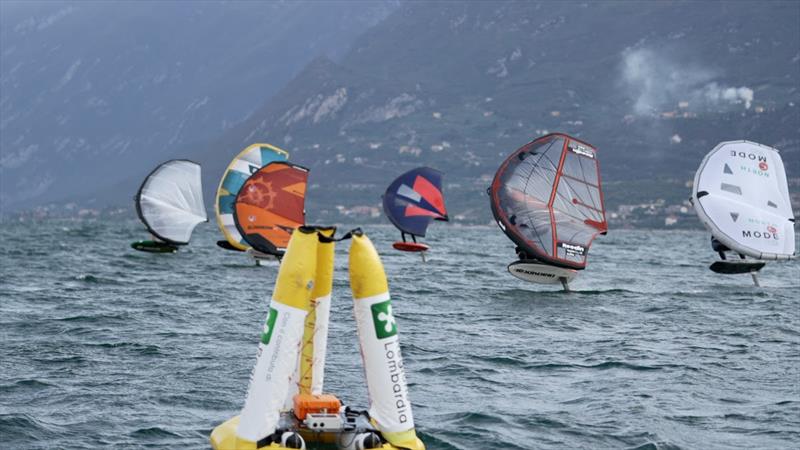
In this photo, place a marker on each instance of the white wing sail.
(170, 201)
(741, 195)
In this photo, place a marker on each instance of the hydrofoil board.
(227, 246)
(410, 246)
(261, 257)
(536, 272)
(154, 247)
(737, 267)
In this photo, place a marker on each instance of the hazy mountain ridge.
(458, 86)
(91, 86)
(515, 71)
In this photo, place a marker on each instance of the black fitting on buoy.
(292, 440)
(266, 441)
(328, 239)
(371, 441)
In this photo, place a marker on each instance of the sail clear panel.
(170, 201)
(239, 170)
(270, 205)
(547, 197)
(741, 195)
(414, 199)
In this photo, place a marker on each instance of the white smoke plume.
(715, 93)
(657, 84)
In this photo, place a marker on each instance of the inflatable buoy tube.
(315, 336)
(390, 408)
(309, 374)
(281, 339)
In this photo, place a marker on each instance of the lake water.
(103, 346)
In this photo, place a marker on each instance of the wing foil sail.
(170, 201)
(270, 205)
(414, 199)
(547, 197)
(741, 195)
(246, 163)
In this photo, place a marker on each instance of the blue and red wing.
(414, 199)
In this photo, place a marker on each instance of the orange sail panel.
(270, 205)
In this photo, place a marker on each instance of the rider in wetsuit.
(403, 235)
(523, 255)
(720, 248)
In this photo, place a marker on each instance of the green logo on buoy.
(382, 318)
(266, 335)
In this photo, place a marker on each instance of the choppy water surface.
(103, 346)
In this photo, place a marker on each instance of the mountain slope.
(458, 86)
(87, 88)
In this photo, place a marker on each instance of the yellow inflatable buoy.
(285, 406)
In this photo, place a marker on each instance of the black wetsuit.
(717, 246)
(523, 255)
(720, 248)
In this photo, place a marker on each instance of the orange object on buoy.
(314, 404)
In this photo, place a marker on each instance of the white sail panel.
(741, 195)
(170, 201)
